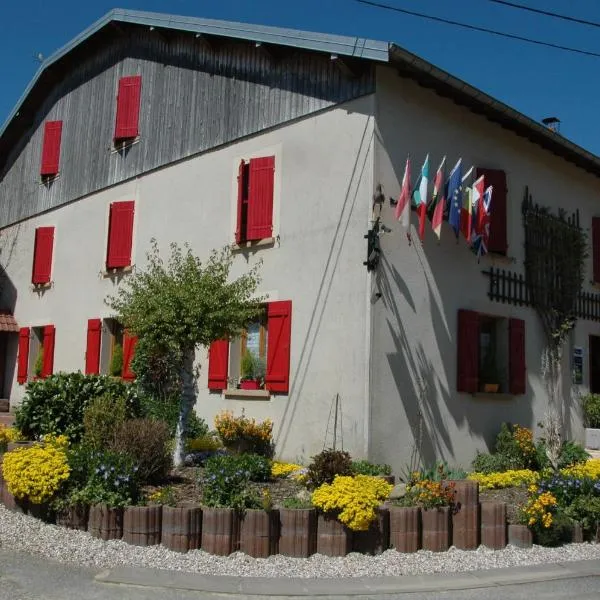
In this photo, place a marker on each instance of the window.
(596, 248)
(120, 235)
(36, 353)
(491, 354)
(255, 199)
(498, 242)
(42, 255)
(51, 149)
(109, 349)
(128, 108)
(259, 358)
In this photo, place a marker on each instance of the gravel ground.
(22, 533)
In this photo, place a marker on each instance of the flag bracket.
(373, 245)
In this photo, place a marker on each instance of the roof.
(357, 48)
(8, 323)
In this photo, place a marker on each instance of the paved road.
(24, 577)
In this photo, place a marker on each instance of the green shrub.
(585, 510)
(256, 467)
(591, 410)
(571, 454)
(364, 467)
(56, 404)
(167, 409)
(326, 465)
(116, 361)
(101, 418)
(489, 463)
(225, 485)
(204, 443)
(440, 472)
(147, 443)
(557, 534)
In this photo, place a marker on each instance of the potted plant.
(489, 374)
(252, 372)
(591, 414)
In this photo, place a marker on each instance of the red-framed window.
(51, 148)
(41, 272)
(127, 120)
(256, 184)
(272, 339)
(35, 344)
(120, 234)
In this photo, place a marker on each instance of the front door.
(595, 364)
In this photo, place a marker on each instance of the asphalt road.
(24, 577)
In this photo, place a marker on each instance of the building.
(286, 145)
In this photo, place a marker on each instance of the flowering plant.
(242, 432)
(283, 470)
(8, 434)
(590, 468)
(432, 494)
(504, 479)
(538, 510)
(566, 488)
(353, 500)
(36, 473)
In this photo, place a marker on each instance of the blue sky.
(538, 81)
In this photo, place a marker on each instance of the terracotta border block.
(465, 527)
(181, 528)
(298, 532)
(333, 538)
(220, 531)
(405, 528)
(105, 523)
(376, 539)
(436, 528)
(466, 492)
(142, 525)
(259, 533)
(493, 525)
(520, 536)
(74, 517)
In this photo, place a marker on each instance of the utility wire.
(476, 28)
(546, 13)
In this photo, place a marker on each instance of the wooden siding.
(194, 97)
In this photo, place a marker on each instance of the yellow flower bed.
(539, 508)
(590, 468)
(354, 499)
(493, 481)
(8, 434)
(36, 473)
(231, 428)
(282, 469)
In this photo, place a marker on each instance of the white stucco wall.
(416, 412)
(323, 191)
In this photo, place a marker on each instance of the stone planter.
(220, 531)
(181, 528)
(436, 528)
(577, 534)
(333, 538)
(405, 528)
(493, 525)
(376, 539)
(142, 525)
(465, 527)
(520, 536)
(16, 445)
(592, 438)
(298, 532)
(466, 492)
(105, 523)
(259, 533)
(74, 517)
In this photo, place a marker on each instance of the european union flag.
(454, 196)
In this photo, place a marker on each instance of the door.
(595, 364)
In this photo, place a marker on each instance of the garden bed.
(513, 497)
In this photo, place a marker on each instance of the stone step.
(593, 453)
(7, 419)
(4, 405)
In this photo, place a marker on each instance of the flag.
(466, 215)
(438, 200)
(419, 196)
(402, 212)
(453, 196)
(476, 200)
(480, 245)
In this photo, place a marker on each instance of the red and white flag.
(438, 200)
(402, 213)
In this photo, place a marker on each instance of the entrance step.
(4, 406)
(7, 419)
(593, 453)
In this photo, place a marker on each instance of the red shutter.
(218, 363)
(279, 334)
(596, 248)
(516, 360)
(467, 379)
(23, 362)
(260, 198)
(92, 352)
(120, 234)
(51, 148)
(240, 234)
(48, 345)
(42, 255)
(129, 342)
(128, 108)
(498, 237)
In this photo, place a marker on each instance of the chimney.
(552, 123)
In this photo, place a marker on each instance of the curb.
(355, 586)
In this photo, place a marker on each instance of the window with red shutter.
(256, 182)
(42, 255)
(129, 343)
(516, 365)
(596, 248)
(128, 108)
(49, 333)
(279, 334)
(120, 235)
(468, 352)
(498, 242)
(23, 360)
(218, 363)
(51, 148)
(92, 352)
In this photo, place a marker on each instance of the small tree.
(175, 307)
